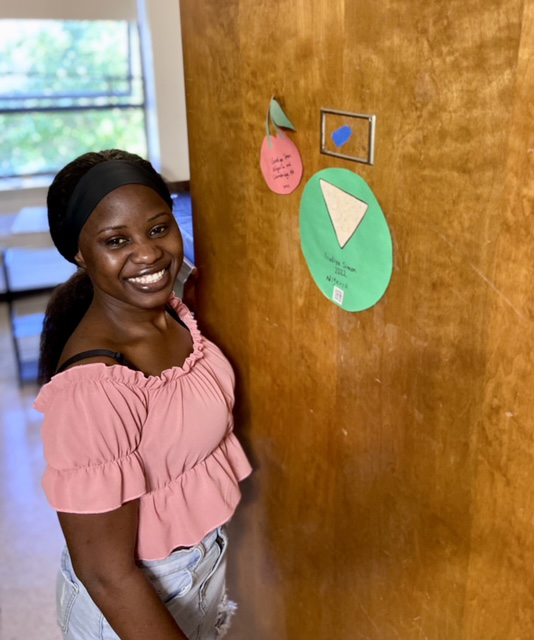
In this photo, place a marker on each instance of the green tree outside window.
(67, 87)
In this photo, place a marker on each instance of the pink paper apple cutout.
(281, 164)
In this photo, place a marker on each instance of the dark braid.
(66, 307)
(70, 301)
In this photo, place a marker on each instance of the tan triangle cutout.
(345, 210)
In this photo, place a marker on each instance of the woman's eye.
(115, 242)
(161, 228)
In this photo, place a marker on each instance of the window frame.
(87, 101)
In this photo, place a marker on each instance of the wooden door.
(393, 449)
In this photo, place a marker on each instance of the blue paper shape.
(342, 136)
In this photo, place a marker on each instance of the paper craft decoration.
(342, 135)
(280, 161)
(345, 239)
(345, 211)
(281, 164)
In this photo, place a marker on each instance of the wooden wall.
(393, 493)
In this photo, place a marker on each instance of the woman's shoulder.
(91, 341)
(92, 375)
(90, 384)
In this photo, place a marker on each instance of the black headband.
(92, 188)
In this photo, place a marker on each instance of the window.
(67, 87)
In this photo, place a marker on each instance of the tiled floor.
(30, 538)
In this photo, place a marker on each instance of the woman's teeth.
(149, 279)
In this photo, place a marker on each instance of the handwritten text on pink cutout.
(281, 164)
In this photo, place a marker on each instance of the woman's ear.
(79, 260)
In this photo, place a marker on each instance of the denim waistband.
(180, 559)
(183, 558)
(185, 578)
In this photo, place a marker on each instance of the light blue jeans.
(191, 582)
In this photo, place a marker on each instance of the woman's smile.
(148, 279)
(132, 248)
(151, 282)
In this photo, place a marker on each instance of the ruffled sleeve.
(91, 433)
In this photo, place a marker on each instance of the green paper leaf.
(268, 130)
(279, 117)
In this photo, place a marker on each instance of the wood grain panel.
(381, 458)
(501, 584)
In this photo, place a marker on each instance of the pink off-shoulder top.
(112, 434)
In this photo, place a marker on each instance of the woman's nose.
(146, 251)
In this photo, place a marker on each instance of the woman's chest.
(162, 351)
(183, 427)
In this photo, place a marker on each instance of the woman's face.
(131, 247)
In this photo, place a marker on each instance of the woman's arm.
(102, 549)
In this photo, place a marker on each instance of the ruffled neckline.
(122, 373)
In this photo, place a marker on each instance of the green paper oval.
(345, 239)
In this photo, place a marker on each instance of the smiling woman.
(131, 248)
(142, 463)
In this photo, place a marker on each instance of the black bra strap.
(95, 353)
(107, 353)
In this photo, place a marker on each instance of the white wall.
(69, 9)
(163, 33)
